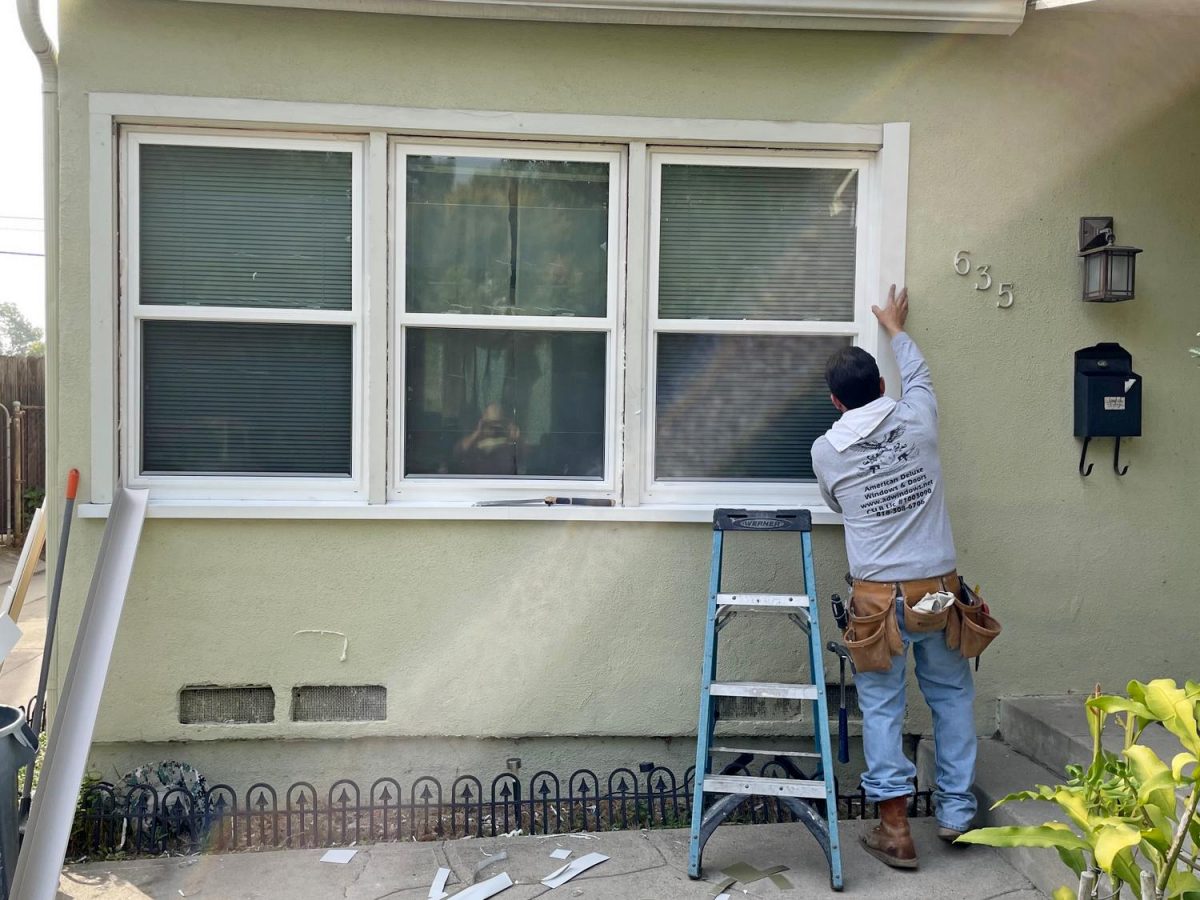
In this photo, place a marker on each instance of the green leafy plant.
(33, 499)
(1132, 816)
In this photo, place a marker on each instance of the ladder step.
(763, 689)
(767, 602)
(761, 752)
(764, 787)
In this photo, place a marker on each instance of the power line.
(19, 253)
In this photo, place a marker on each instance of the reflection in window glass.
(741, 407)
(504, 403)
(522, 237)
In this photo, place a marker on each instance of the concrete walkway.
(647, 865)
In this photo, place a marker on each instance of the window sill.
(199, 509)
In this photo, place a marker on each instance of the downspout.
(29, 13)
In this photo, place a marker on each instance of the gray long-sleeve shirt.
(888, 485)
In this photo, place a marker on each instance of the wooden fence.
(23, 464)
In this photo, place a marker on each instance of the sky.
(21, 263)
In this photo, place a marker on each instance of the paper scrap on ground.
(721, 897)
(10, 633)
(485, 889)
(746, 873)
(780, 882)
(560, 853)
(339, 855)
(437, 890)
(725, 885)
(570, 870)
(934, 603)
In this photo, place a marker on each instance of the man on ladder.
(878, 465)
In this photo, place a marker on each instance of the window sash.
(860, 330)
(257, 486)
(433, 488)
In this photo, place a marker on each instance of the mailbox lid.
(1103, 359)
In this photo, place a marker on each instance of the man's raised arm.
(915, 378)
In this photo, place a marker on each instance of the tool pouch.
(873, 637)
(917, 622)
(971, 626)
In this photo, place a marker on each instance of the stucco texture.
(594, 630)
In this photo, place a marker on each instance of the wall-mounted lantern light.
(1108, 270)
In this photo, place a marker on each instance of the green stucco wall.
(594, 630)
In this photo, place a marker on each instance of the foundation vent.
(226, 705)
(339, 703)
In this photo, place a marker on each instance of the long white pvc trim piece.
(959, 16)
(70, 738)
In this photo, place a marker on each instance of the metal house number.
(962, 266)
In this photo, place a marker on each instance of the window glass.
(741, 407)
(239, 226)
(237, 398)
(504, 403)
(756, 242)
(522, 237)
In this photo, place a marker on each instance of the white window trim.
(466, 488)
(133, 313)
(890, 143)
(863, 328)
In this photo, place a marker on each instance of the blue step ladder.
(811, 798)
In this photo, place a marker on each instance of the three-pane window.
(507, 294)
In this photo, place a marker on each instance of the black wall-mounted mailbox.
(1108, 398)
(1108, 393)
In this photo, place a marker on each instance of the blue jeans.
(945, 680)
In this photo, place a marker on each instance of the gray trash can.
(18, 747)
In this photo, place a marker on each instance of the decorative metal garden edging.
(215, 819)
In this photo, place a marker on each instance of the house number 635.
(962, 266)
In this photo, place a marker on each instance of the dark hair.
(853, 377)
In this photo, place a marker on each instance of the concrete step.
(1053, 731)
(1000, 771)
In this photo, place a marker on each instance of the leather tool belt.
(873, 635)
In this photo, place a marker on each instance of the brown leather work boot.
(891, 840)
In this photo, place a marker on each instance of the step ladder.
(811, 798)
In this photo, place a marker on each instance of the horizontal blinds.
(741, 407)
(238, 226)
(246, 399)
(751, 242)
(504, 403)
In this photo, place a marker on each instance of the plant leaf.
(1159, 837)
(1051, 834)
(1073, 860)
(1182, 881)
(1125, 869)
(1171, 706)
(1181, 761)
(1040, 792)
(1073, 804)
(1112, 704)
(1158, 791)
(1111, 840)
